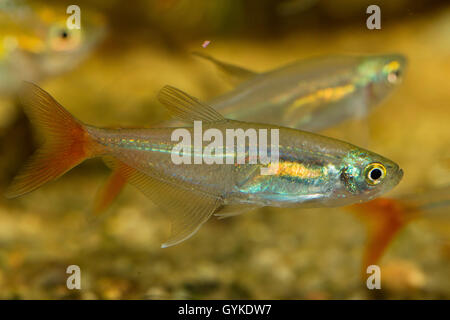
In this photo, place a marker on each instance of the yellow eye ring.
(374, 173)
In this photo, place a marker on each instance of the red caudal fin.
(383, 219)
(67, 143)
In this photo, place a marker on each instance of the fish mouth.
(395, 173)
(398, 175)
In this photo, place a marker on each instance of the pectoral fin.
(188, 209)
(233, 74)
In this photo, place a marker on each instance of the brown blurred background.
(266, 254)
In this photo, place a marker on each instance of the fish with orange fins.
(311, 170)
(384, 218)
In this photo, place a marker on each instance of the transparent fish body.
(310, 172)
(312, 94)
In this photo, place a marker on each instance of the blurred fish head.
(379, 75)
(63, 47)
(36, 43)
(364, 175)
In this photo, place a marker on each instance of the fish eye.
(64, 34)
(394, 76)
(374, 173)
(393, 71)
(63, 39)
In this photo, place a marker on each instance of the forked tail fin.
(67, 143)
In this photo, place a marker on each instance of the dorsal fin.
(187, 208)
(185, 107)
(234, 74)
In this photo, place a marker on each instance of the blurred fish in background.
(313, 94)
(385, 221)
(36, 44)
(385, 217)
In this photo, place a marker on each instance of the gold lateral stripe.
(295, 169)
(327, 94)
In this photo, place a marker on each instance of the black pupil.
(375, 174)
(64, 34)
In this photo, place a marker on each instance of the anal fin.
(187, 208)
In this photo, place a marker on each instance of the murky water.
(265, 254)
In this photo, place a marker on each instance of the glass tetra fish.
(311, 94)
(312, 170)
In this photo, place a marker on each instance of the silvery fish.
(312, 170)
(311, 94)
